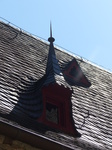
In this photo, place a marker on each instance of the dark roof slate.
(53, 70)
(23, 60)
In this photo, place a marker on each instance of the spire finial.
(51, 39)
(50, 29)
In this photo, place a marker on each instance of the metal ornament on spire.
(50, 29)
(51, 39)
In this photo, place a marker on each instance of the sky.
(82, 27)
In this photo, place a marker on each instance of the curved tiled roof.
(23, 60)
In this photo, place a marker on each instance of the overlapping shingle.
(23, 60)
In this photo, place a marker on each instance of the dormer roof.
(53, 70)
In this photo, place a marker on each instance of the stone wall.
(7, 143)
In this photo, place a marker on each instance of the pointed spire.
(50, 29)
(51, 39)
(52, 67)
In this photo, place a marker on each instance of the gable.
(74, 75)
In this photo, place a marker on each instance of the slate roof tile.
(23, 60)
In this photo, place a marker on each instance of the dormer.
(74, 75)
(56, 93)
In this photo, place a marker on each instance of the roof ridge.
(56, 46)
(81, 58)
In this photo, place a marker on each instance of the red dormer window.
(74, 75)
(57, 108)
(57, 111)
(52, 113)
